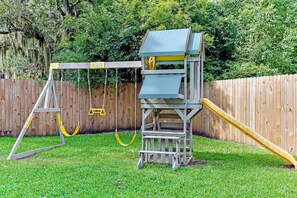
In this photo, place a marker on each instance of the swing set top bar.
(96, 65)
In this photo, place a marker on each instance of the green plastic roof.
(160, 86)
(171, 43)
(195, 43)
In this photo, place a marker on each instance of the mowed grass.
(96, 166)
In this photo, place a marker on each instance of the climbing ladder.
(164, 140)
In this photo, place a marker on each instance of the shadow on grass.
(244, 159)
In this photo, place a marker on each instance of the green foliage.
(261, 34)
(97, 166)
(18, 67)
(266, 34)
(245, 70)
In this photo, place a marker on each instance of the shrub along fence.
(265, 104)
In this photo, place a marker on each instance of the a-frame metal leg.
(48, 86)
(57, 106)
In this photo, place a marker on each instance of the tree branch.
(58, 7)
(4, 32)
(77, 2)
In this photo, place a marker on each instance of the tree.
(32, 29)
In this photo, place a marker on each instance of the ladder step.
(158, 152)
(173, 125)
(163, 133)
(161, 137)
(181, 149)
(169, 116)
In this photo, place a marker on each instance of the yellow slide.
(249, 132)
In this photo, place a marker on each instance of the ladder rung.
(54, 110)
(169, 116)
(161, 137)
(163, 71)
(159, 152)
(173, 125)
(164, 133)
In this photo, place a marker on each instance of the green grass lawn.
(96, 166)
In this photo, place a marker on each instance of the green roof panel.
(195, 43)
(160, 86)
(165, 43)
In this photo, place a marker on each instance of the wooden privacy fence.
(265, 104)
(17, 98)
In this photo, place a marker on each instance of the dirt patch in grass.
(197, 163)
(289, 166)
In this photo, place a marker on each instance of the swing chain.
(116, 112)
(78, 95)
(90, 94)
(61, 89)
(104, 94)
(135, 99)
(116, 101)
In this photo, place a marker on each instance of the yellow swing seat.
(63, 129)
(122, 143)
(100, 111)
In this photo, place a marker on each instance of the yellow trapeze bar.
(122, 143)
(100, 111)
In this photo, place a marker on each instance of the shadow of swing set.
(171, 95)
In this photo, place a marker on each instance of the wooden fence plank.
(284, 106)
(252, 106)
(291, 114)
(277, 110)
(229, 109)
(2, 106)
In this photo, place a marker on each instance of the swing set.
(49, 94)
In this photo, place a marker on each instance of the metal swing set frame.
(49, 93)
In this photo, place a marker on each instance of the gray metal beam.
(193, 113)
(171, 106)
(180, 113)
(29, 153)
(47, 110)
(192, 59)
(192, 80)
(163, 71)
(97, 65)
(147, 113)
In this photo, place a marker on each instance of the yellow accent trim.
(54, 66)
(122, 143)
(278, 151)
(97, 65)
(63, 129)
(29, 120)
(152, 63)
(77, 128)
(99, 111)
(170, 58)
